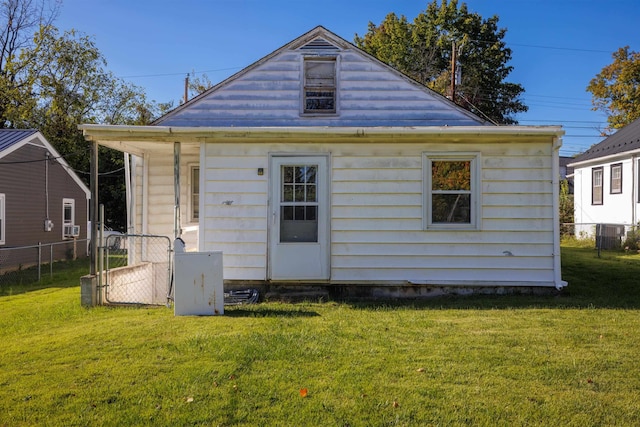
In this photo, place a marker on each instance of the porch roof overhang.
(140, 139)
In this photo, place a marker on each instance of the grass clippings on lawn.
(499, 361)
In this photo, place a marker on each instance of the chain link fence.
(137, 269)
(29, 264)
(603, 236)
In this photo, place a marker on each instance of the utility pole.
(454, 59)
(186, 88)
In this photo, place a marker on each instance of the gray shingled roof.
(625, 139)
(8, 137)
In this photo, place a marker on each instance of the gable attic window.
(319, 94)
(596, 186)
(616, 179)
(451, 193)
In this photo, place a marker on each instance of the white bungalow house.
(320, 164)
(606, 181)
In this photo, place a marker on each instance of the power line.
(179, 74)
(18, 162)
(561, 48)
(576, 49)
(564, 121)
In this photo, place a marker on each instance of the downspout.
(177, 230)
(555, 172)
(633, 190)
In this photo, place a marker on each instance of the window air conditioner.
(71, 230)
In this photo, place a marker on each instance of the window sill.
(452, 227)
(331, 114)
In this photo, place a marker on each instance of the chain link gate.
(137, 269)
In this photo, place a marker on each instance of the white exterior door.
(299, 209)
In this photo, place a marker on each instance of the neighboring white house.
(321, 164)
(606, 180)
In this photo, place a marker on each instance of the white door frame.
(299, 261)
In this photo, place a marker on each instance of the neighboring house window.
(319, 86)
(68, 217)
(616, 178)
(596, 186)
(194, 193)
(451, 191)
(2, 219)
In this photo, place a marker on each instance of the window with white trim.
(319, 93)
(596, 186)
(616, 179)
(2, 218)
(68, 218)
(451, 195)
(194, 194)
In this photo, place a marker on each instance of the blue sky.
(558, 45)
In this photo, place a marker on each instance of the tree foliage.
(422, 49)
(19, 20)
(198, 84)
(53, 83)
(616, 89)
(566, 203)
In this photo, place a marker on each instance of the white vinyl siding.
(367, 94)
(3, 219)
(589, 187)
(376, 218)
(155, 196)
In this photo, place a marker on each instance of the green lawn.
(572, 359)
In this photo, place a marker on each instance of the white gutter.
(555, 182)
(92, 129)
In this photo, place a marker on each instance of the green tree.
(565, 208)
(423, 50)
(616, 89)
(67, 82)
(19, 20)
(54, 82)
(198, 84)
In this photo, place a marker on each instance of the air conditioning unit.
(71, 230)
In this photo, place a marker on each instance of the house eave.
(119, 133)
(604, 159)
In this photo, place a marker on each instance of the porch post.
(177, 226)
(94, 207)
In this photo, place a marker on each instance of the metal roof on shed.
(8, 137)
(625, 139)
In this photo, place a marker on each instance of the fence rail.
(605, 236)
(28, 264)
